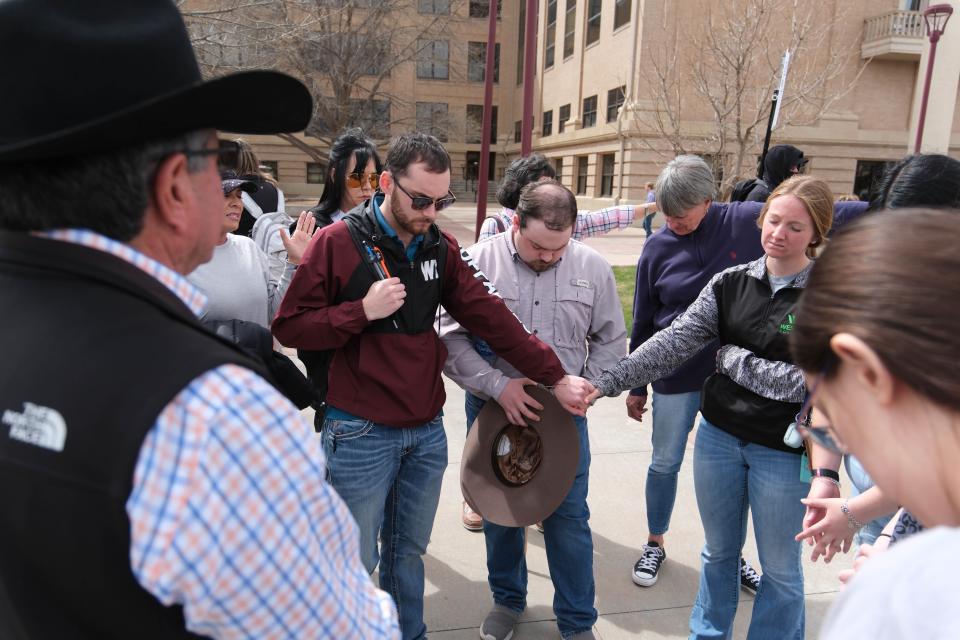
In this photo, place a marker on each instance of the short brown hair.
(889, 278)
(549, 201)
(818, 200)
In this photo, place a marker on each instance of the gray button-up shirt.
(572, 306)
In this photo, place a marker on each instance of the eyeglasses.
(356, 179)
(419, 203)
(227, 152)
(823, 435)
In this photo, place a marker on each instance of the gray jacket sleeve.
(771, 379)
(668, 348)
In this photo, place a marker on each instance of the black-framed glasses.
(823, 435)
(227, 152)
(356, 179)
(419, 203)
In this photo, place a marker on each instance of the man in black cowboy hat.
(154, 484)
(565, 293)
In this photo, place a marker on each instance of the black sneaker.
(647, 569)
(749, 579)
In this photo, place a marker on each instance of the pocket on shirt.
(341, 430)
(571, 320)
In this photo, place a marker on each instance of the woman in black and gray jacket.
(740, 458)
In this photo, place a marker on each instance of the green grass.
(626, 280)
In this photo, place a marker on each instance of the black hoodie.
(776, 168)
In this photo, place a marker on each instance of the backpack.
(742, 189)
(266, 235)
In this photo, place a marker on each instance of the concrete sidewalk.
(457, 596)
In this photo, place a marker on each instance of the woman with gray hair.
(701, 238)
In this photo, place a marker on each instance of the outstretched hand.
(573, 393)
(296, 245)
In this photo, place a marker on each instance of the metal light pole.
(487, 128)
(936, 18)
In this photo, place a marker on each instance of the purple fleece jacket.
(673, 269)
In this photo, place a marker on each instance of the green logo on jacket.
(787, 325)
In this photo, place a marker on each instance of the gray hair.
(684, 183)
(106, 192)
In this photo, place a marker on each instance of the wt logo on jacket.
(429, 269)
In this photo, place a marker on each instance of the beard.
(411, 221)
(539, 265)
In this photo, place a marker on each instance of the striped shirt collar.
(190, 295)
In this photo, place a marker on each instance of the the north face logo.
(39, 426)
(787, 325)
(429, 270)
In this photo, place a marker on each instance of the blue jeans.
(648, 223)
(730, 476)
(569, 546)
(390, 479)
(861, 481)
(673, 418)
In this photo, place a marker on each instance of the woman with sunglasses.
(740, 459)
(832, 523)
(353, 171)
(876, 336)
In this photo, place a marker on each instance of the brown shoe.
(472, 521)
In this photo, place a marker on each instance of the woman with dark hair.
(267, 197)
(876, 336)
(522, 172)
(353, 174)
(832, 523)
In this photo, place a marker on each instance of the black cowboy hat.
(516, 476)
(83, 77)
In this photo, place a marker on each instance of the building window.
(481, 8)
(547, 123)
(550, 47)
(562, 118)
(475, 124)
(517, 131)
(477, 62)
(439, 7)
(314, 173)
(432, 119)
(589, 111)
(582, 163)
(621, 13)
(372, 115)
(607, 162)
(472, 170)
(569, 28)
(271, 167)
(593, 20)
(868, 176)
(433, 59)
(558, 167)
(614, 102)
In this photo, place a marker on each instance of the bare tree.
(347, 52)
(710, 92)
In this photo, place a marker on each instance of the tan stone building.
(603, 81)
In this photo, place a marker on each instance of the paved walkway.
(457, 596)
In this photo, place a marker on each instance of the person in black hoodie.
(782, 161)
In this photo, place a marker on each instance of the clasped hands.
(575, 394)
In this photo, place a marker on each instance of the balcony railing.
(897, 34)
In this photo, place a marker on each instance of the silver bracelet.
(830, 480)
(852, 522)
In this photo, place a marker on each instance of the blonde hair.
(848, 197)
(816, 198)
(248, 164)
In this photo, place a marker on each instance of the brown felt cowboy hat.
(516, 476)
(84, 77)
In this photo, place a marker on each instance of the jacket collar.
(366, 219)
(758, 270)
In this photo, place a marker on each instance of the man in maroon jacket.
(370, 289)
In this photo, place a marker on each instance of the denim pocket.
(343, 430)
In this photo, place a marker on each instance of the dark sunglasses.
(419, 203)
(227, 152)
(355, 180)
(823, 435)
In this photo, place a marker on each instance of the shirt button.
(536, 302)
(535, 331)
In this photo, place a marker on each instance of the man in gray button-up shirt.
(565, 293)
